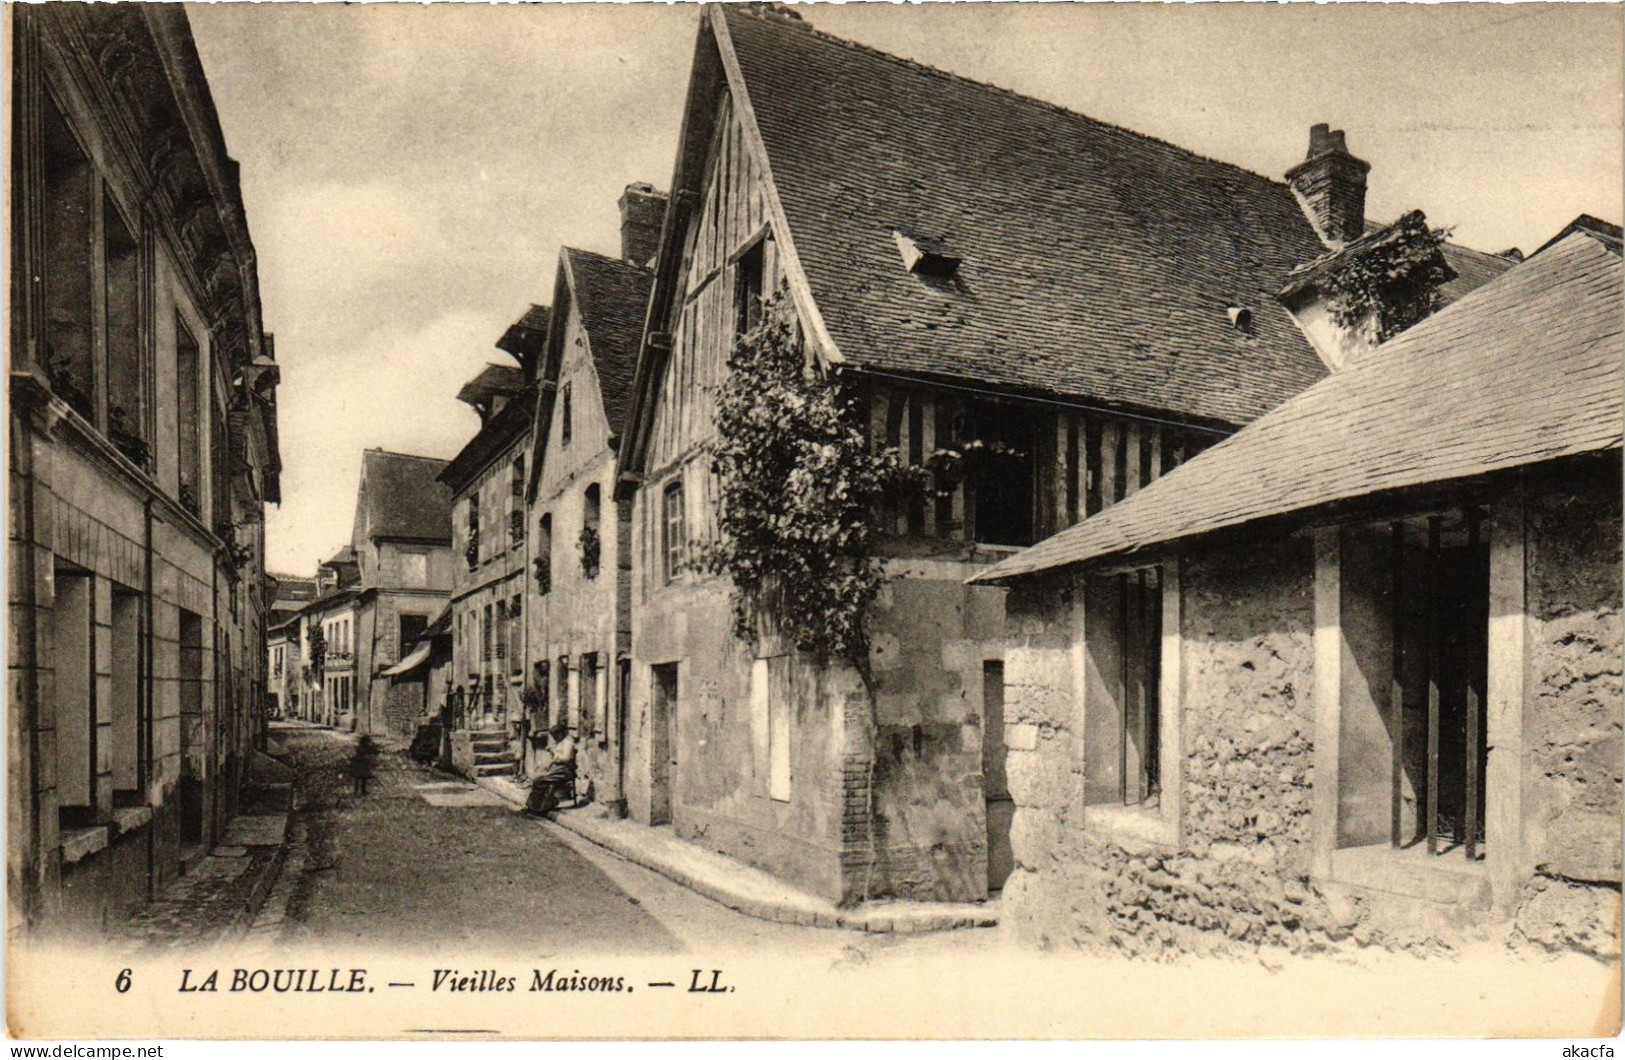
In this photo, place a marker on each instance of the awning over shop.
(417, 658)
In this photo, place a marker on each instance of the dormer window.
(926, 257)
(1241, 318)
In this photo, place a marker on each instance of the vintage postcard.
(809, 521)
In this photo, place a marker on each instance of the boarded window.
(415, 569)
(771, 699)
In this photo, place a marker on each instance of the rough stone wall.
(1240, 875)
(1573, 710)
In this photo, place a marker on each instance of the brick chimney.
(1331, 185)
(642, 211)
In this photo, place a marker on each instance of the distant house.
(1358, 666)
(579, 625)
(402, 544)
(486, 485)
(1092, 306)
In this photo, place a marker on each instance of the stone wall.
(1573, 710)
(1240, 873)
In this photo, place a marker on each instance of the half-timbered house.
(1092, 305)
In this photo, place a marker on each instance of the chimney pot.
(643, 209)
(1330, 183)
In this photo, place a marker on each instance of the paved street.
(428, 857)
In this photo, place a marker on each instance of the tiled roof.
(527, 333)
(404, 498)
(1523, 370)
(493, 379)
(343, 555)
(495, 436)
(1097, 263)
(611, 297)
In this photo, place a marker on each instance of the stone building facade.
(142, 449)
(579, 625)
(404, 570)
(1380, 692)
(486, 482)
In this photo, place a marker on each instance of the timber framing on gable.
(716, 82)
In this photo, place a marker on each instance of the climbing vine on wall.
(1398, 278)
(799, 488)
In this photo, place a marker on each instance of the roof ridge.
(409, 456)
(622, 262)
(744, 11)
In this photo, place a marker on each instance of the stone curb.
(892, 921)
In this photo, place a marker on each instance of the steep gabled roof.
(611, 297)
(1097, 263)
(401, 497)
(1523, 370)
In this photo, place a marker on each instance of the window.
(544, 555)
(748, 273)
(188, 384)
(540, 680)
(126, 407)
(67, 347)
(415, 569)
(564, 415)
(516, 633)
(412, 627)
(771, 718)
(516, 485)
(1412, 748)
(591, 719)
(1122, 725)
(591, 541)
(73, 621)
(486, 634)
(564, 689)
(1003, 481)
(674, 539)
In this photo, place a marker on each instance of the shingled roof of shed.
(611, 296)
(1098, 263)
(1523, 370)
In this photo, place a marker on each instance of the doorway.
(663, 753)
(1001, 809)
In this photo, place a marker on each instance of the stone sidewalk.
(742, 887)
(216, 900)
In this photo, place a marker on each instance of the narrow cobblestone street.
(428, 858)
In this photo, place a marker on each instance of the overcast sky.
(410, 172)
